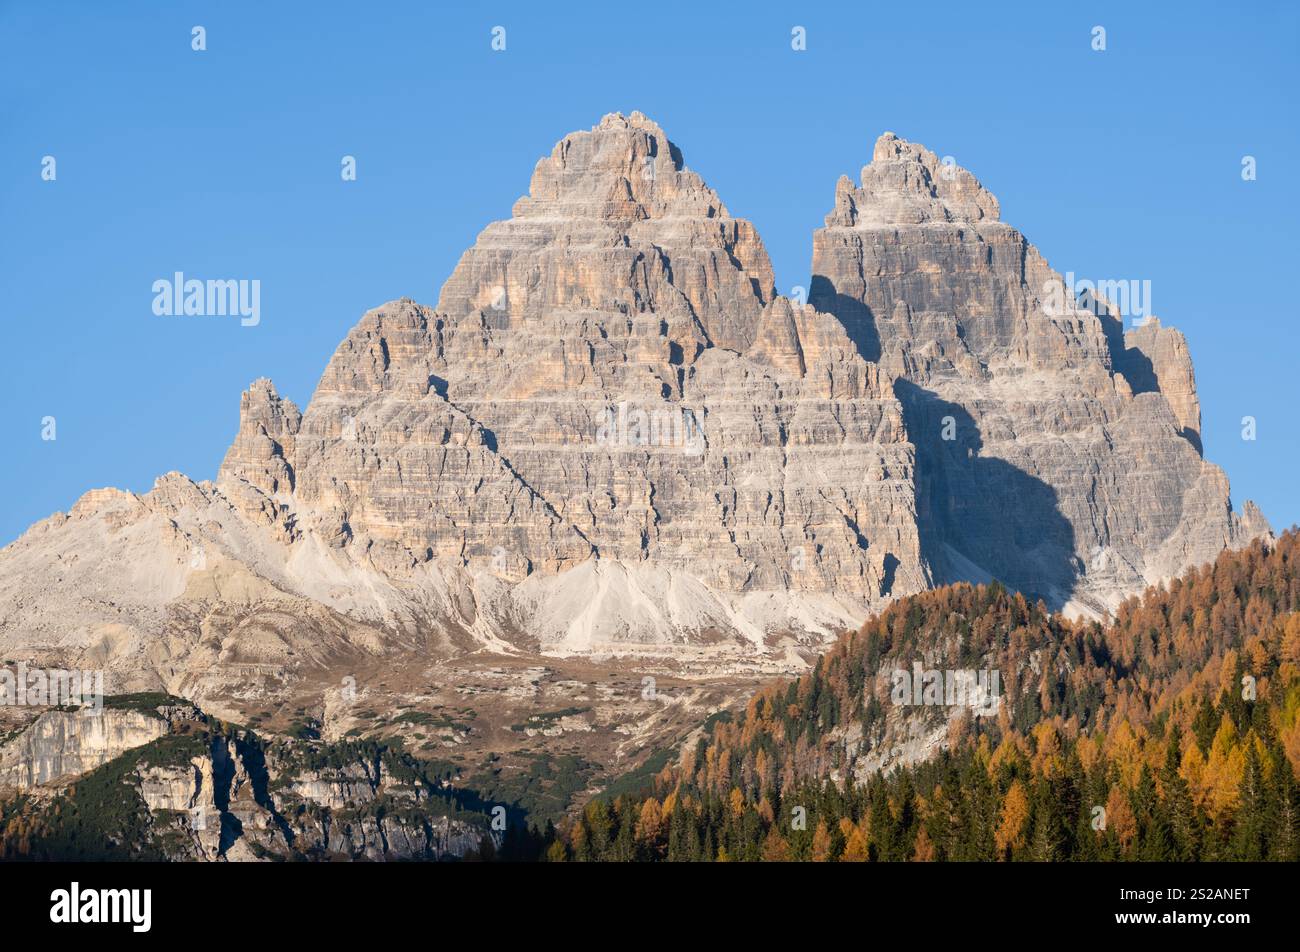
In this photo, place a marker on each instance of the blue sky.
(225, 163)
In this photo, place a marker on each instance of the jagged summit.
(622, 168)
(906, 183)
(612, 437)
(1054, 451)
(614, 221)
(259, 455)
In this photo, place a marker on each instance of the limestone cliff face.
(1055, 452)
(215, 795)
(609, 395)
(263, 452)
(611, 437)
(1156, 358)
(61, 744)
(240, 803)
(615, 224)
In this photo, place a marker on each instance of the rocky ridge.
(612, 438)
(173, 783)
(1056, 452)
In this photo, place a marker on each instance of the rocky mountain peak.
(611, 437)
(1004, 391)
(615, 224)
(263, 451)
(908, 184)
(624, 169)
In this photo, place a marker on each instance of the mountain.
(611, 439)
(1171, 733)
(1055, 452)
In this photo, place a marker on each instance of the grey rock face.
(238, 799)
(611, 437)
(609, 379)
(1156, 358)
(62, 744)
(1054, 452)
(263, 452)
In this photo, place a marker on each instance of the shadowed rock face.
(608, 377)
(1054, 451)
(1155, 358)
(611, 436)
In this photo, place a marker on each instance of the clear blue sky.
(225, 163)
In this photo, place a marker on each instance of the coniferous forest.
(1170, 733)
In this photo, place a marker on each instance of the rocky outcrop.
(1054, 452)
(263, 452)
(215, 794)
(1156, 358)
(63, 744)
(610, 387)
(611, 437)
